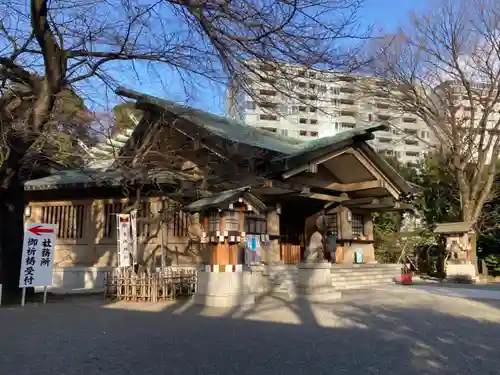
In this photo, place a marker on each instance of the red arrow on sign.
(38, 230)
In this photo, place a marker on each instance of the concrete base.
(226, 289)
(315, 282)
(465, 272)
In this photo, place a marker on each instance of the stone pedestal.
(315, 282)
(227, 289)
(461, 272)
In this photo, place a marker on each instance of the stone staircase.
(283, 278)
(361, 276)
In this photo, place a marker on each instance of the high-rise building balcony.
(346, 119)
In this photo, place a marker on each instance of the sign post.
(38, 257)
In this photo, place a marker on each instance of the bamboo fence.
(124, 284)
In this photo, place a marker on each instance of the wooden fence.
(124, 284)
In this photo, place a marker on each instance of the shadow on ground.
(370, 332)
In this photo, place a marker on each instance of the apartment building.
(475, 115)
(308, 104)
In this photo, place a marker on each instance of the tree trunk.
(11, 237)
(11, 218)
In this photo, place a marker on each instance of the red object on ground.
(406, 278)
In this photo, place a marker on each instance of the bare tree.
(446, 70)
(48, 46)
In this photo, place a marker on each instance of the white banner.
(124, 243)
(133, 227)
(38, 255)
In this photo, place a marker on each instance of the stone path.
(389, 332)
(479, 292)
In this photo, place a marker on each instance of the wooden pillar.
(271, 253)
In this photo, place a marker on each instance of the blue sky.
(385, 15)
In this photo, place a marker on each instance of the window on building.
(409, 120)
(303, 121)
(267, 92)
(412, 153)
(268, 105)
(314, 134)
(214, 222)
(348, 113)
(335, 90)
(358, 225)
(313, 122)
(312, 86)
(303, 109)
(255, 224)
(268, 117)
(284, 132)
(384, 117)
(346, 125)
(303, 132)
(347, 90)
(312, 109)
(347, 101)
(370, 117)
(384, 140)
(179, 221)
(302, 84)
(302, 97)
(250, 105)
(411, 131)
(69, 220)
(268, 80)
(110, 211)
(411, 142)
(231, 221)
(313, 97)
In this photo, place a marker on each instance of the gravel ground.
(366, 332)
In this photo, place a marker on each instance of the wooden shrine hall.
(225, 186)
(286, 183)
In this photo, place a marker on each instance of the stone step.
(360, 285)
(363, 282)
(362, 277)
(362, 270)
(366, 265)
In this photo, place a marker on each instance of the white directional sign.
(38, 255)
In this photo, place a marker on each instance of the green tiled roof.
(222, 200)
(224, 127)
(284, 148)
(238, 131)
(93, 178)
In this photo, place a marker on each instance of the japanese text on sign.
(38, 255)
